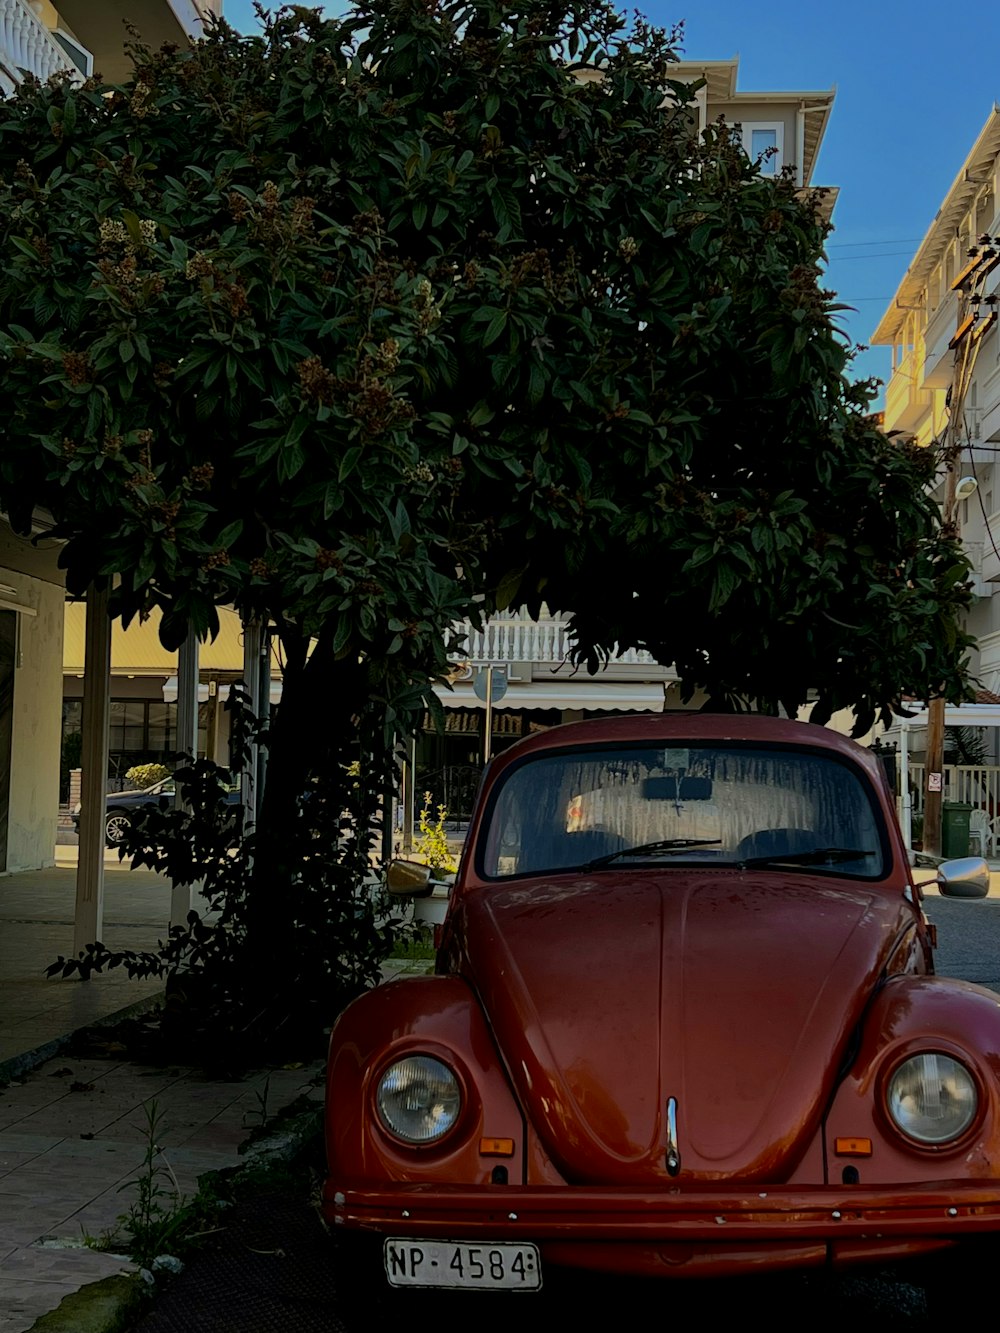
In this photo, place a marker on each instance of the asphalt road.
(968, 938)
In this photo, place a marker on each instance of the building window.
(141, 731)
(759, 138)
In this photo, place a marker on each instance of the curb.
(113, 1304)
(108, 1306)
(283, 1145)
(17, 1065)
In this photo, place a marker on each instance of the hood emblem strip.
(673, 1152)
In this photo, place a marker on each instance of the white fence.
(970, 784)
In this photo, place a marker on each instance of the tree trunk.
(307, 741)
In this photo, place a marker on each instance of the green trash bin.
(955, 829)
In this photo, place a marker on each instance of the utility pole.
(969, 330)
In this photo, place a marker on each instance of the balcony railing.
(905, 403)
(938, 357)
(26, 44)
(990, 563)
(518, 638)
(988, 670)
(989, 429)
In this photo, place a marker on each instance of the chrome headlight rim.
(449, 1062)
(932, 1147)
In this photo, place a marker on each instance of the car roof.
(740, 728)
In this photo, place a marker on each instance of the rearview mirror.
(668, 789)
(967, 877)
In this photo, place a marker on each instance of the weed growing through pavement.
(262, 1096)
(161, 1220)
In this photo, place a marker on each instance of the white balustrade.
(26, 44)
(518, 638)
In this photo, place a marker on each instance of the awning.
(170, 691)
(589, 693)
(955, 715)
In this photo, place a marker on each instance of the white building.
(924, 326)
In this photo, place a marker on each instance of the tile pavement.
(73, 1131)
(36, 926)
(72, 1137)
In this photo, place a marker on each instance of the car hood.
(735, 994)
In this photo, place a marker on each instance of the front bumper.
(946, 1211)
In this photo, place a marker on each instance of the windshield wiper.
(818, 856)
(664, 845)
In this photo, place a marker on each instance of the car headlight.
(932, 1098)
(419, 1099)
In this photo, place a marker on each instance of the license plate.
(446, 1263)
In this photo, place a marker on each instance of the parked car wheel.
(116, 827)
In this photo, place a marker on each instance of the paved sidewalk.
(36, 926)
(72, 1136)
(73, 1130)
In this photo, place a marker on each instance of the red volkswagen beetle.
(684, 1022)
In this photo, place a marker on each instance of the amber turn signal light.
(496, 1147)
(852, 1147)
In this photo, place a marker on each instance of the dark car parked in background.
(122, 805)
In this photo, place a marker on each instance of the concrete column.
(263, 711)
(186, 743)
(89, 918)
(212, 738)
(407, 793)
(252, 638)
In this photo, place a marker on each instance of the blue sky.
(911, 99)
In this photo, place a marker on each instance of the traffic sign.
(479, 683)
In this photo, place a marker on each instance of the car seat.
(778, 842)
(587, 845)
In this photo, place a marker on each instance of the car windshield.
(728, 804)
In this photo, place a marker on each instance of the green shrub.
(144, 775)
(432, 844)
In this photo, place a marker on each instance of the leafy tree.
(965, 745)
(370, 324)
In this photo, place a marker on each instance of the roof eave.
(962, 189)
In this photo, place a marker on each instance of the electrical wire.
(971, 348)
(895, 240)
(889, 254)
